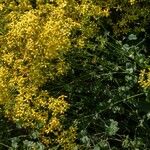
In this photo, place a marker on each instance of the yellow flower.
(132, 2)
(1, 6)
(144, 78)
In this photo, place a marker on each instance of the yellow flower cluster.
(92, 10)
(132, 2)
(33, 40)
(58, 106)
(67, 138)
(31, 54)
(144, 79)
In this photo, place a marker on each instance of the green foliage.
(104, 87)
(112, 128)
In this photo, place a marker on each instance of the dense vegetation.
(74, 74)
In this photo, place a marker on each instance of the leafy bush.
(67, 82)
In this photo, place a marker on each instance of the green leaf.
(96, 147)
(132, 37)
(112, 128)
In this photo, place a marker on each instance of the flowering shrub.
(66, 82)
(31, 55)
(29, 47)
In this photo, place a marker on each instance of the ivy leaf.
(132, 37)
